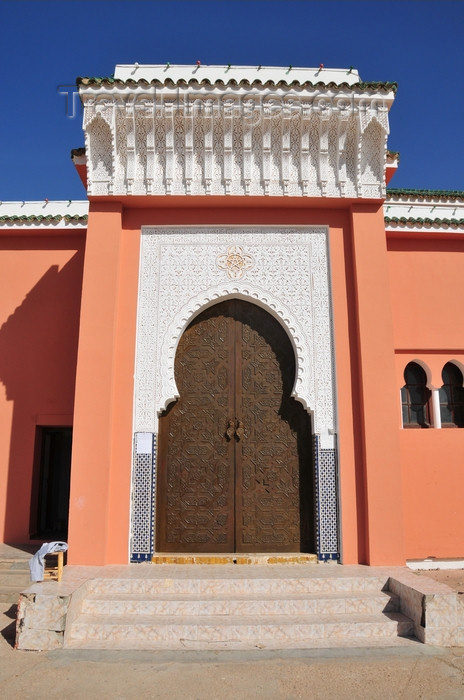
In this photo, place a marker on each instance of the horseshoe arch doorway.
(235, 469)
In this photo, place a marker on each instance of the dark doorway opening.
(50, 506)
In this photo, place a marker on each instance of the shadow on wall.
(38, 354)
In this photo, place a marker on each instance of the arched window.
(452, 397)
(415, 397)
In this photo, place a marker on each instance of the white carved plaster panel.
(184, 270)
(235, 141)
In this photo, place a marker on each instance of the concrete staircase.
(273, 608)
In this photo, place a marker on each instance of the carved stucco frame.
(166, 306)
(159, 328)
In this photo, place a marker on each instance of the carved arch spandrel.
(303, 389)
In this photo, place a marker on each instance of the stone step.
(230, 586)
(10, 578)
(10, 595)
(239, 632)
(236, 559)
(14, 577)
(299, 604)
(328, 643)
(14, 565)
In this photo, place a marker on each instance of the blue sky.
(47, 44)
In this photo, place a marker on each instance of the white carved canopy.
(236, 138)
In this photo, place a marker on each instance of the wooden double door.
(234, 468)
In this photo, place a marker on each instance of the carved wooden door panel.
(273, 458)
(195, 491)
(234, 471)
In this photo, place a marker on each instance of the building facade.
(241, 341)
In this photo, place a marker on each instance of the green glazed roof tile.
(418, 220)
(361, 86)
(40, 218)
(425, 194)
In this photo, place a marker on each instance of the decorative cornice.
(235, 138)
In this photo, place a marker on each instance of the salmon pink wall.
(426, 281)
(433, 485)
(41, 277)
(102, 445)
(377, 437)
(426, 290)
(392, 304)
(100, 488)
(370, 511)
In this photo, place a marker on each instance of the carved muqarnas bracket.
(202, 140)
